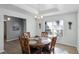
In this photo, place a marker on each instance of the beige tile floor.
(13, 47)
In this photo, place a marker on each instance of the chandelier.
(39, 16)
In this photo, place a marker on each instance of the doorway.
(13, 28)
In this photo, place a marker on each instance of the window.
(54, 28)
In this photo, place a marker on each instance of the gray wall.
(12, 32)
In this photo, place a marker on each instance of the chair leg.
(41, 51)
(53, 50)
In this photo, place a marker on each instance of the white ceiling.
(41, 9)
(42, 6)
(49, 9)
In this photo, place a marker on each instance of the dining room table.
(39, 42)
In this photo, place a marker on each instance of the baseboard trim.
(67, 44)
(1, 51)
(78, 50)
(12, 39)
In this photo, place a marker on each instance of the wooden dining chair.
(44, 34)
(27, 34)
(26, 48)
(52, 44)
(50, 47)
(24, 42)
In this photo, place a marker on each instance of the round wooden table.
(39, 42)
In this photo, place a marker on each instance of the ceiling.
(41, 9)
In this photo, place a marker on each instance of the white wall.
(78, 31)
(29, 25)
(1, 33)
(70, 36)
(38, 29)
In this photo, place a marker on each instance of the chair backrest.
(24, 42)
(27, 34)
(44, 34)
(53, 42)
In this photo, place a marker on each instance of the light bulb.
(41, 16)
(35, 16)
(8, 19)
